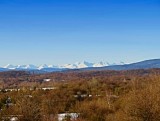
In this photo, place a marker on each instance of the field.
(92, 95)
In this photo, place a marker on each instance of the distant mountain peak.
(42, 66)
(9, 66)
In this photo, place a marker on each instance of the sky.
(66, 31)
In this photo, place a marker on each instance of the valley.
(75, 95)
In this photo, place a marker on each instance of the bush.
(95, 110)
(144, 104)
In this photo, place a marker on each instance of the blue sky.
(66, 31)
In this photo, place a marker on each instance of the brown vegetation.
(94, 95)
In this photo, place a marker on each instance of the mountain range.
(147, 64)
(77, 65)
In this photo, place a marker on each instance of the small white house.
(48, 88)
(11, 90)
(46, 80)
(63, 116)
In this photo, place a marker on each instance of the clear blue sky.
(66, 31)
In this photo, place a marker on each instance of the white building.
(46, 80)
(63, 116)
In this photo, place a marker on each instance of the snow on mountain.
(24, 67)
(70, 66)
(77, 65)
(30, 66)
(83, 64)
(100, 64)
(154, 63)
(52, 66)
(19, 66)
(9, 66)
(42, 66)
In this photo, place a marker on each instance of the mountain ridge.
(146, 64)
(77, 65)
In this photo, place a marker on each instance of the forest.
(132, 95)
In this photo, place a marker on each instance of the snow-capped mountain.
(147, 64)
(101, 64)
(52, 66)
(77, 65)
(30, 66)
(70, 66)
(42, 66)
(9, 66)
(84, 64)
